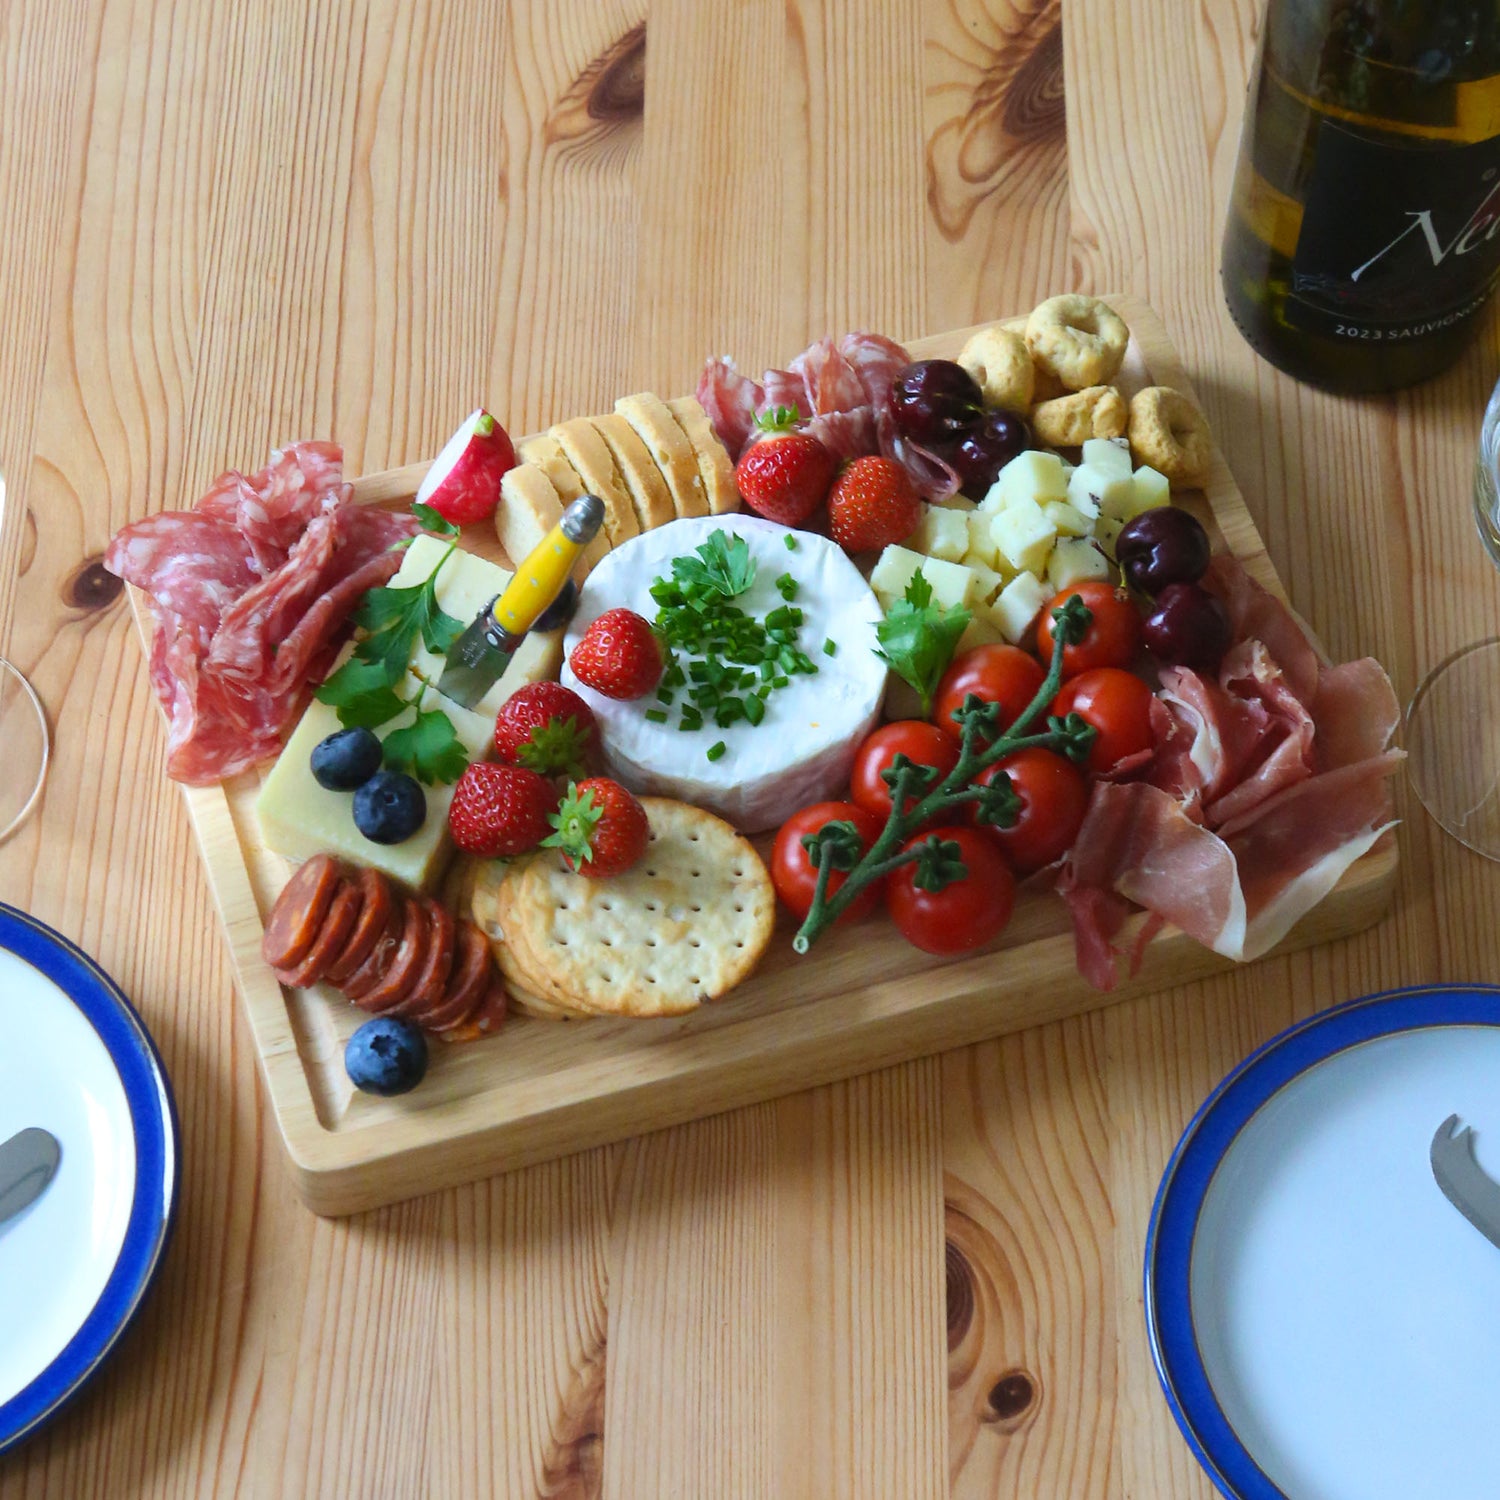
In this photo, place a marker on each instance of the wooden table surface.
(228, 225)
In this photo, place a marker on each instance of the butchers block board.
(862, 999)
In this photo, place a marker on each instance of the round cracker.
(492, 906)
(685, 925)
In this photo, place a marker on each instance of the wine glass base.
(25, 748)
(1453, 745)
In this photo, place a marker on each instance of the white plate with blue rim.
(1324, 1316)
(77, 1263)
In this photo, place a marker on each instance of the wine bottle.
(1363, 236)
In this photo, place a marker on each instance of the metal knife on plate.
(478, 658)
(28, 1163)
(1465, 1184)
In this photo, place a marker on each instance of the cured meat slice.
(1356, 713)
(731, 400)
(298, 914)
(359, 984)
(376, 901)
(846, 434)
(391, 991)
(832, 383)
(1255, 614)
(785, 388)
(876, 362)
(486, 1018)
(473, 968)
(432, 978)
(343, 912)
(250, 591)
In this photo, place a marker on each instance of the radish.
(463, 483)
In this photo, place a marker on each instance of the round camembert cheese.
(802, 750)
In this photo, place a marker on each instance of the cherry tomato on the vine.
(1118, 705)
(917, 740)
(1112, 639)
(999, 674)
(1053, 796)
(964, 914)
(794, 874)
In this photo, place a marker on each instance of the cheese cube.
(299, 818)
(941, 533)
(1019, 604)
(950, 581)
(1073, 560)
(1068, 519)
(956, 502)
(1094, 493)
(980, 631)
(1110, 456)
(1151, 490)
(981, 538)
(1023, 535)
(1032, 475)
(987, 583)
(465, 586)
(1106, 530)
(894, 570)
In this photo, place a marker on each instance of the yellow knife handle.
(540, 577)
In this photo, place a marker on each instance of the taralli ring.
(998, 360)
(1171, 435)
(1078, 339)
(1098, 412)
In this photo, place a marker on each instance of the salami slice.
(472, 969)
(298, 914)
(359, 984)
(488, 1017)
(432, 981)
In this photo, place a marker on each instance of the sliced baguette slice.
(529, 508)
(669, 446)
(545, 453)
(648, 490)
(590, 456)
(714, 462)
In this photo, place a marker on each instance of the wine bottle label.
(1396, 242)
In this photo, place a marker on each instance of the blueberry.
(386, 1056)
(389, 807)
(560, 611)
(346, 760)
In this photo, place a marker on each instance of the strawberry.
(548, 728)
(873, 505)
(601, 828)
(498, 811)
(618, 656)
(784, 475)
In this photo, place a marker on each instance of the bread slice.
(590, 456)
(543, 454)
(714, 462)
(648, 490)
(529, 508)
(668, 444)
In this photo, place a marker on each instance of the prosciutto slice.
(841, 392)
(251, 591)
(1267, 784)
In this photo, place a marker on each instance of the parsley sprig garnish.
(917, 638)
(363, 690)
(734, 662)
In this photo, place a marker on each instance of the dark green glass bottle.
(1363, 236)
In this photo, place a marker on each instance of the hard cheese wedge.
(299, 818)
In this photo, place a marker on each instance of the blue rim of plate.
(153, 1208)
(1184, 1185)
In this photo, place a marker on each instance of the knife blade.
(478, 658)
(1464, 1182)
(28, 1162)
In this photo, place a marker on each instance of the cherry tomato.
(917, 740)
(999, 674)
(1118, 705)
(793, 872)
(1053, 797)
(1112, 639)
(970, 911)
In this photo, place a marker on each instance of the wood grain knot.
(960, 1294)
(1011, 1395)
(573, 1460)
(1034, 106)
(608, 95)
(619, 91)
(91, 585)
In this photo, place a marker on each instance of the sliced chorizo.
(343, 913)
(391, 990)
(472, 969)
(364, 979)
(297, 917)
(432, 982)
(376, 902)
(487, 1018)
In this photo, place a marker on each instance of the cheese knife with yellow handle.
(478, 658)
